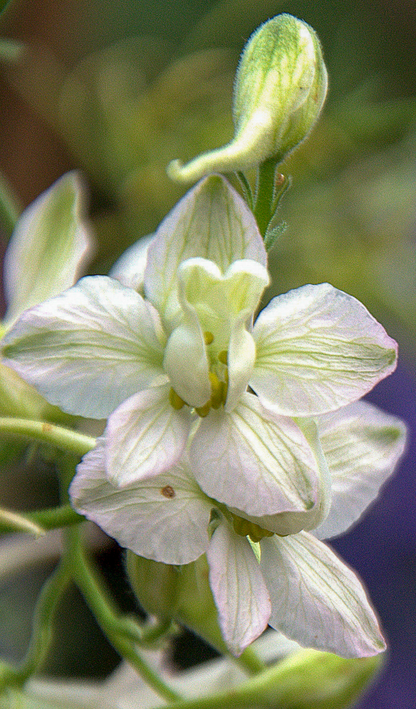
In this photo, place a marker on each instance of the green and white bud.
(279, 91)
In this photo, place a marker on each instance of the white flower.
(294, 583)
(47, 253)
(187, 358)
(49, 247)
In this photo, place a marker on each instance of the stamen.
(216, 390)
(175, 400)
(244, 528)
(208, 337)
(204, 410)
(223, 357)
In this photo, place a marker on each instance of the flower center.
(219, 386)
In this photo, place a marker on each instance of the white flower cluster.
(230, 435)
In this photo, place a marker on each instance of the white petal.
(318, 349)
(89, 348)
(49, 247)
(213, 222)
(129, 268)
(186, 360)
(316, 599)
(164, 519)
(145, 436)
(238, 588)
(362, 446)
(293, 522)
(254, 461)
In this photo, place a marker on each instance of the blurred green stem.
(38, 522)
(123, 633)
(63, 438)
(9, 207)
(42, 633)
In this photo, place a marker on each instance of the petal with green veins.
(212, 222)
(362, 446)
(318, 349)
(89, 348)
(316, 599)
(240, 593)
(49, 247)
(145, 436)
(285, 523)
(164, 519)
(255, 461)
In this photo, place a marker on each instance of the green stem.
(9, 208)
(263, 209)
(119, 630)
(250, 661)
(54, 517)
(38, 522)
(64, 438)
(42, 633)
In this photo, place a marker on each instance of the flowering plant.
(233, 438)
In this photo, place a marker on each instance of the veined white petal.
(255, 461)
(49, 248)
(145, 436)
(318, 349)
(292, 522)
(213, 222)
(129, 268)
(89, 348)
(164, 519)
(240, 593)
(316, 599)
(362, 446)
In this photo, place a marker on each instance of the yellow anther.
(244, 528)
(175, 400)
(204, 410)
(223, 356)
(216, 390)
(208, 337)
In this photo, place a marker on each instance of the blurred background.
(118, 90)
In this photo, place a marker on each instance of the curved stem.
(38, 522)
(64, 438)
(118, 629)
(42, 633)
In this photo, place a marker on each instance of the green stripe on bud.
(280, 88)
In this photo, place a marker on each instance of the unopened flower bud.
(279, 91)
(154, 584)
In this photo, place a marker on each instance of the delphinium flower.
(47, 253)
(295, 583)
(187, 355)
(210, 412)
